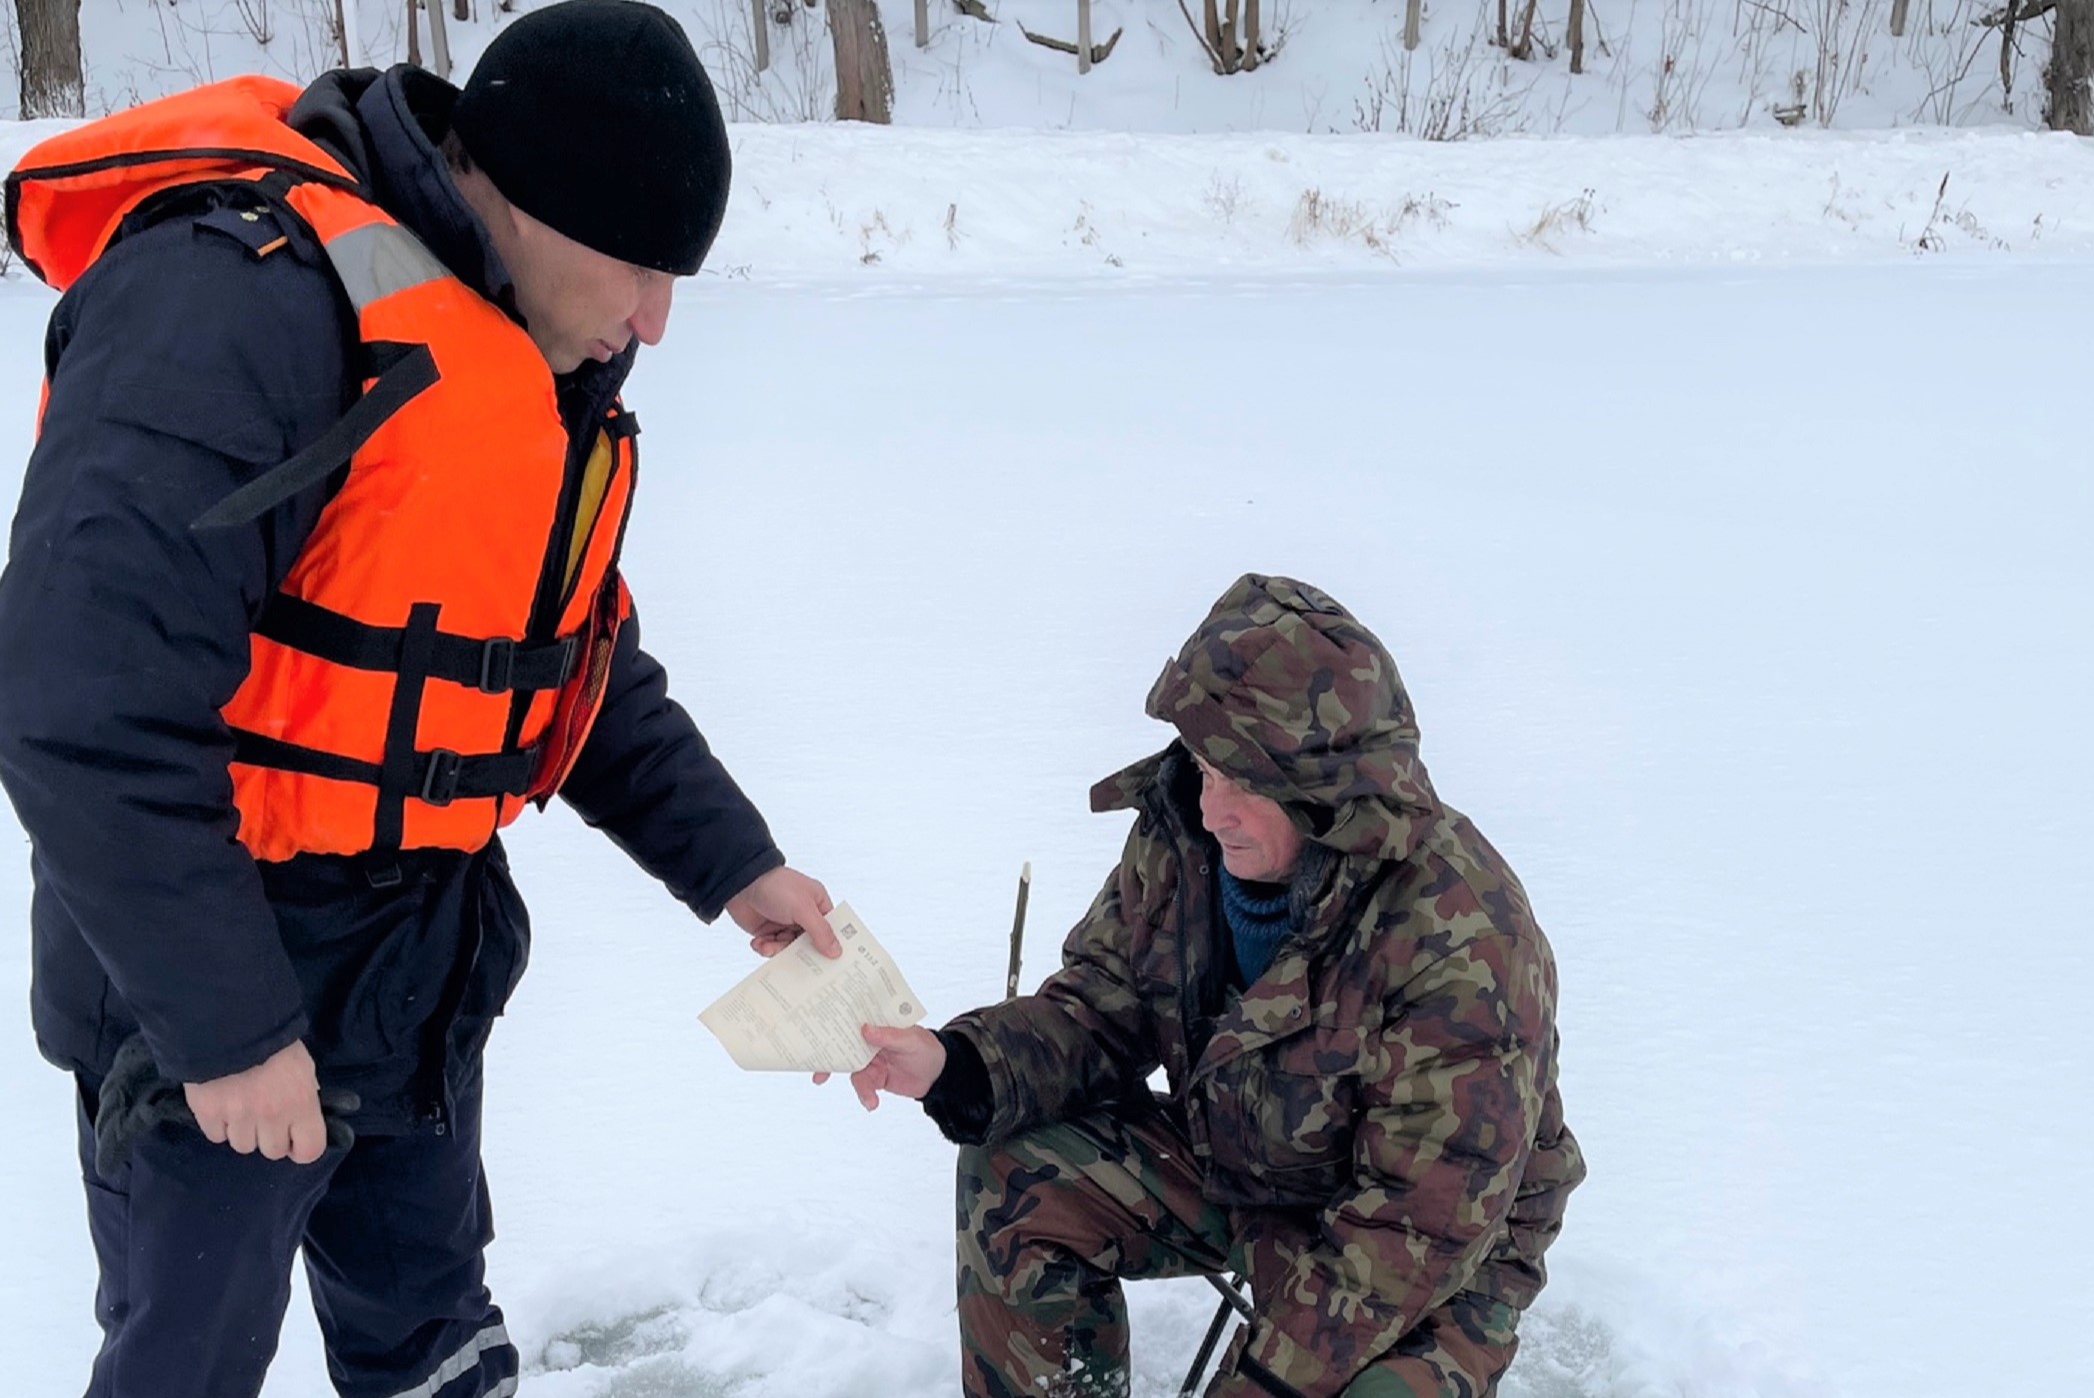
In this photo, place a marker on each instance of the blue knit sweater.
(1258, 921)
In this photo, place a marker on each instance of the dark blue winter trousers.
(196, 1243)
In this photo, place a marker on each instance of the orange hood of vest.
(67, 196)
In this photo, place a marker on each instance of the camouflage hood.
(1286, 692)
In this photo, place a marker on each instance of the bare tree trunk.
(1899, 11)
(462, 10)
(1250, 35)
(1083, 36)
(1413, 17)
(414, 34)
(1524, 48)
(760, 27)
(51, 82)
(923, 24)
(1577, 35)
(864, 77)
(2071, 71)
(1504, 34)
(352, 32)
(439, 40)
(2006, 57)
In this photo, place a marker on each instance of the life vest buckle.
(440, 780)
(497, 666)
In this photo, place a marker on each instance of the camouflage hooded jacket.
(1380, 1107)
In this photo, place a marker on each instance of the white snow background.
(1335, 65)
(1732, 537)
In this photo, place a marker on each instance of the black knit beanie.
(595, 118)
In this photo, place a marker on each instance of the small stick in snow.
(1010, 979)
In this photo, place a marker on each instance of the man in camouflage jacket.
(1368, 1128)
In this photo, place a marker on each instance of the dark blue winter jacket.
(189, 359)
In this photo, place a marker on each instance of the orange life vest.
(439, 649)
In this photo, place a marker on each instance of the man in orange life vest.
(313, 586)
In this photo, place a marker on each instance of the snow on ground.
(1743, 597)
(828, 200)
(1338, 65)
(864, 204)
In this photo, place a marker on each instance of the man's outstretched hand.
(909, 1060)
(781, 905)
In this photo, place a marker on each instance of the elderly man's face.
(1258, 841)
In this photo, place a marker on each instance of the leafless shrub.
(1755, 37)
(1318, 215)
(797, 86)
(1085, 229)
(1428, 208)
(1840, 31)
(1680, 75)
(1457, 91)
(1557, 219)
(254, 17)
(1945, 48)
(876, 229)
(1941, 221)
(298, 39)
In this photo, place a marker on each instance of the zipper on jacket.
(1188, 1001)
(1164, 812)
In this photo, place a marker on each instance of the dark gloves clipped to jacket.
(136, 1097)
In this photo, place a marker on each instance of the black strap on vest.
(497, 666)
(405, 772)
(439, 777)
(407, 371)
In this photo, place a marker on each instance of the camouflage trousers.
(1051, 1222)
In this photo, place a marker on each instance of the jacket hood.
(385, 128)
(1284, 690)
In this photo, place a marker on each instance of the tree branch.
(1201, 35)
(1099, 52)
(2008, 14)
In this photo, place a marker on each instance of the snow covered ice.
(1733, 544)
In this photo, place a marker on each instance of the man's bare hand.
(273, 1107)
(908, 1062)
(781, 905)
